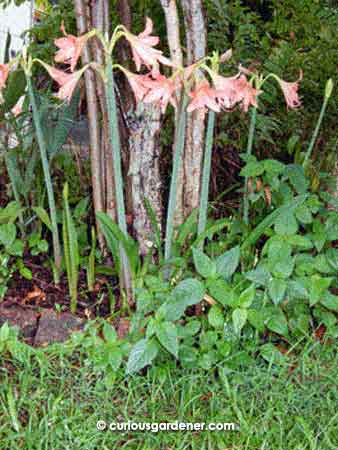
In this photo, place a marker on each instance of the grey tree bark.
(144, 170)
(173, 35)
(195, 31)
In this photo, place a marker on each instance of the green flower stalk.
(47, 176)
(327, 95)
(202, 219)
(117, 168)
(182, 117)
(252, 130)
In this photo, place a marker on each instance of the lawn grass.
(53, 399)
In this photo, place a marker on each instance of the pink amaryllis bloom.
(247, 93)
(138, 85)
(70, 48)
(229, 90)
(161, 91)
(143, 51)
(17, 108)
(66, 81)
(290, 91)
(4, 72)
(203, 97)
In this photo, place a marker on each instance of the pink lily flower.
(137, 83)
(228, 90)
(17, 108)
(143, 51)
(66, 81)
(290, 91)
(4, 72)
(203, 97)
(70, 48)
(247, 93)
(161, 91)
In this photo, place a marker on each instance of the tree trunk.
(173, 35)
(144, 170)
(83, 21)
(193, 155)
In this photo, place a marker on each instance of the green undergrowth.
(52, 399)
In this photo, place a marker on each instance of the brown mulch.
(31, 305)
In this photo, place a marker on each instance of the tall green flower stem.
(248, 153)
(117, 169)
(328, 92)
(182, 119)
(202, 218)
(48, 179)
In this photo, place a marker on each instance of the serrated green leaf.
(227, 263)
(216, 317)
(203, 264)
(166, 333)
(277, 289)
(142, 354)
(239, 318)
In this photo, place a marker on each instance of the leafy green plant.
(47, 175)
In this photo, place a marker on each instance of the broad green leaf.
(16, 249)
(166, 333)
(239, 318)
(330, 301)
(318, 287)
(256, 319)
(221, 291)
(187, 293)
(7, 234)
(303, 214)
(277, 289)
(142, 354)
(286, 224)
(260, 275)
(273, 166)
(278, 323)
(216, 317)
(246, 297)
(297, 289)
(10, 213)
(252, 169)
(203, 264)
(297, 178)
(283, 268)
(332, 257)
(300, 241)
(227, 263)
(109, 333)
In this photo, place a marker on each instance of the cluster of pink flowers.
(218, 93)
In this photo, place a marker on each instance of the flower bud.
(328, 88)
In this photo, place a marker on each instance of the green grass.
(53, 398)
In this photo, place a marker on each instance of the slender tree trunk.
(100, 20)
(144, 170)
(140, 135)
(176, 55)
(196, 49)
(83, 20)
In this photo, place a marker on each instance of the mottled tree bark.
(140, 136)
(193, 155)
(144, 170)
(83, 21)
